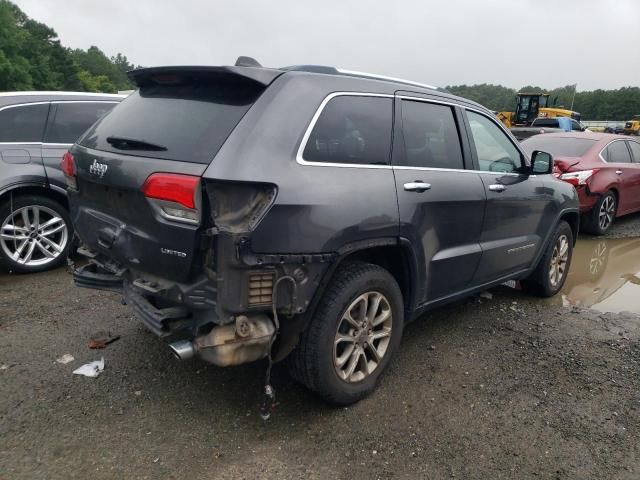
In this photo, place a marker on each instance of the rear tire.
(351, 338)
(35, 233)
(549, 276)
(601, 217)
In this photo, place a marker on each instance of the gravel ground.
(507, 387)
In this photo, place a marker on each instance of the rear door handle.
(417, 186)
(619, 172)
(497, 187)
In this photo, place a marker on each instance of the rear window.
(184, 122)
(559, 146)
(352, 130)
(546, 122)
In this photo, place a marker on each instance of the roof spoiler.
(163, 75)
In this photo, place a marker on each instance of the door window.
(352, 130)
(575, 126)
(495, 151)
(430, 136)
(73, 119)
(24, 123)
(617, 152)
(635, 149)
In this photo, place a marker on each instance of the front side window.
(617, 152)
(352, 130)
(635, 149)
(24, 123)
(430, 136)
(495, 151)
(576, 126)
(72, 119)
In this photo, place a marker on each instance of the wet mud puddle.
(604, 275)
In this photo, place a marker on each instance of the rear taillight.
(581, 177)
(177, 197)
(68, 167)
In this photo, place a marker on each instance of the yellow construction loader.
(530, 106)
(632, 127)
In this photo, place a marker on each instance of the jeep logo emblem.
(97, 168)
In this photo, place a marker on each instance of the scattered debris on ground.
(102, 339)
(92, 369)
(66, 358)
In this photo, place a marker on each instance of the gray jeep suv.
(36, 129)
(309, 213)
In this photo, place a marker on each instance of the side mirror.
(541, 163)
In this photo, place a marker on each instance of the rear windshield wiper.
(122, 143)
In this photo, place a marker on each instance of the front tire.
(35, 233)
(353, 335)
(549, 276)
(600, 219)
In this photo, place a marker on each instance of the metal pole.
(575, 87)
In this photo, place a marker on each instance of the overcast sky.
(549, 43)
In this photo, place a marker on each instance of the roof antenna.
(247, 62)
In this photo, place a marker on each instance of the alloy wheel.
(607, 212)
(34, 235)
(363, 336)
(559, 260)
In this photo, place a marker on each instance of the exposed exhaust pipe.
(246, 340)
(183, 349)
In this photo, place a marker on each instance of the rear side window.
(184, 120)
(24, 123)
(617, 152)
(495, 151)
(72, 119)
(635, 149)
(352, 130)
(430, 136)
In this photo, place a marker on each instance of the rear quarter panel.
(318, 208)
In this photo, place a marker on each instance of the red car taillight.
(176, 196)
(578, 178)
(68, 166)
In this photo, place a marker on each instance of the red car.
(604, 168)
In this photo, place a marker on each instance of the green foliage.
(617, 105)
(32, 58)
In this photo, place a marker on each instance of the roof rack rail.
(351, 73)
(375, 76)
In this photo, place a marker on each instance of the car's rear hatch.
(165, 134)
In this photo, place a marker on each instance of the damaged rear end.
(174, 243)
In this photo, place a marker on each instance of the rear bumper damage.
(223, 316)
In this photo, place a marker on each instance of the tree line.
(32, 58)
(620, 104)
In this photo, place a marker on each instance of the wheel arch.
(32, 188)
(573, 219)
(393, 254)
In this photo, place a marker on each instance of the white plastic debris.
(66, 358)
(486, 295)
(92, 369)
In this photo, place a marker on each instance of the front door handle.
(619, 172)
(497, 187)
(417, 186)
